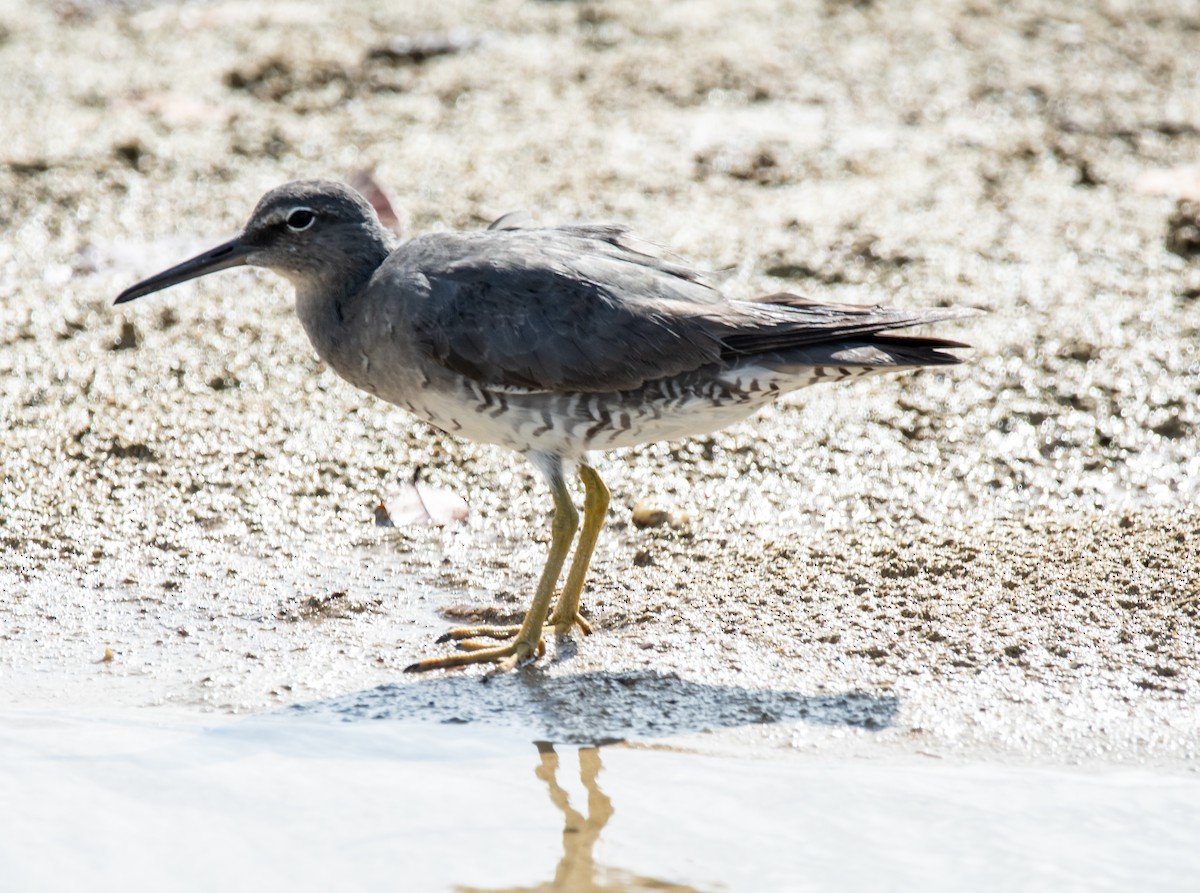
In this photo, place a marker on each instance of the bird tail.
(800, 367)
(878, 352)
(799, 342)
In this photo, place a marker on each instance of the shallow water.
(328, 800)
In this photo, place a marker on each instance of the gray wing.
(564, 308)
(585, 308)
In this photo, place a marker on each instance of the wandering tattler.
(551, 341)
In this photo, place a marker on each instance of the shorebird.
(551, 341)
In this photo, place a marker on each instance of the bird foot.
(562, 625)
(506, 657)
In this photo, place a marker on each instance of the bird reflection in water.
(577, 871)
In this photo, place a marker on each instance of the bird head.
(316, 233)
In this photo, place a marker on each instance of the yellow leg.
(595, 507)
(528, 639)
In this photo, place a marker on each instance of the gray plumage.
(545, 308)
(551, 341)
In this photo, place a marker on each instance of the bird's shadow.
(601, 707)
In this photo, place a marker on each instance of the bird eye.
(300, 219)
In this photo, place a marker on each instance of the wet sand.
(992, 566)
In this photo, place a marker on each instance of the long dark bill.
(232, 254)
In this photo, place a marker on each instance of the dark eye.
(300, 219)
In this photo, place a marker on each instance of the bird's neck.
(328, 292)
(326, 314)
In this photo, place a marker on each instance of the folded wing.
(589, 308)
